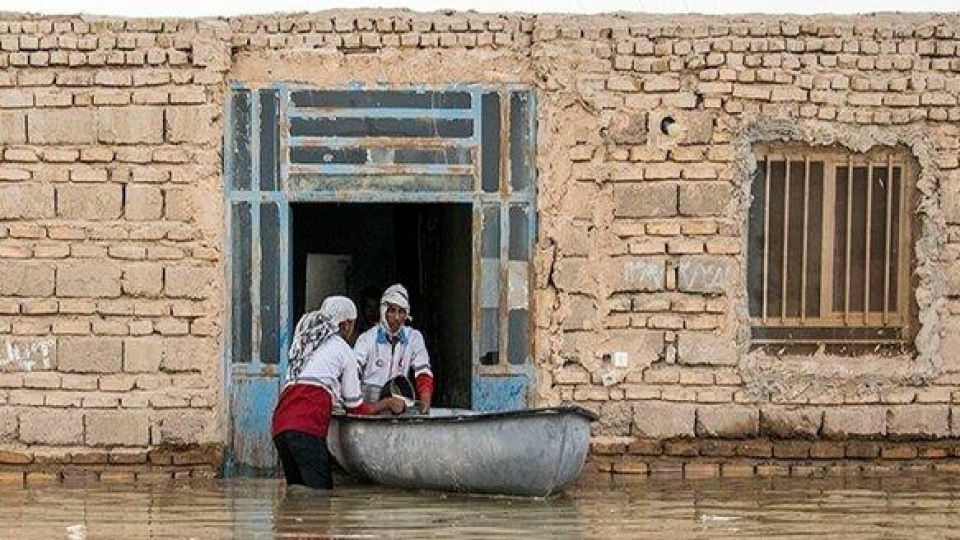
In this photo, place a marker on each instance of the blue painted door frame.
(288, 144)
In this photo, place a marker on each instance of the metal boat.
(534, 452)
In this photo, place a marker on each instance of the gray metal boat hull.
(533, 452)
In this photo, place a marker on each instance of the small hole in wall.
(607, 358)
(668, 125)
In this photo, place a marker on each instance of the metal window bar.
(806, 230)
(868, 248)
(904, 253)
(398, 134)
(784, 272)
(766, 240)
(832, 318)
(848, 242)
(888, 241)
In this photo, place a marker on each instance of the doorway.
(344, 188)
(345, 248)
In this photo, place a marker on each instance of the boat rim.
(473, 415)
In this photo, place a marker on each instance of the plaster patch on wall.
(22, 355)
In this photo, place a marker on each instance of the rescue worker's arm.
(393, 404)
(353, 400)
(420, 362)
(425, 391)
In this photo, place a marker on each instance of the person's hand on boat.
(423, 407)
(395, 404)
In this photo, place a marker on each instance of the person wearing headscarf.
(322, 372)
(391, 349)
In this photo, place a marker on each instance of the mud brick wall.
(110, 227)
(643, 239)
(111, 220)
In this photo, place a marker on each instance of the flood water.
(923, 506)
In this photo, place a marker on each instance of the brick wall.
(111, 287)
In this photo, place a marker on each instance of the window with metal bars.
(829, 251)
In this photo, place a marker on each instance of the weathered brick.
(571, 374)
(117, 428)
(21, 278)
(705, 199)
(41, 379)
(681, 447)
(142, 280)
(96, 202)
(14, 458)
(118, 477)
(62, 126)
(662, 420)
(827, 450)
(178, 205)
(52, 427)
(898, 451)
(628, 128)
(615, 418)
(88, 280)
(13, 127)
(710, 275)
(756, 448)
(130, 125)
(631, 467)
(142, 355)
(701, 470)
(737, 470)
(791, 449)
(143, 203)
(90, 355)
(645, 200)
(727, 421)
(862, 449)
(180, 354)
(582, 313)
(697, 348)
(789, 423)
(950, 198)
(626, 274)
(78, 382)
(568, 273)
(919, 421)
(9, 425)
(857, 421)
(189, 282)
(190, 124)
(27, 201)
(181, 427)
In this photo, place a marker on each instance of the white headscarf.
(396, 295)
(316, 327)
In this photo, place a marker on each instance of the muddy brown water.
(926, 506)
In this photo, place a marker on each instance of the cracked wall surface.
(111, 218)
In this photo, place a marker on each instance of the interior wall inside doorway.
(426, 247)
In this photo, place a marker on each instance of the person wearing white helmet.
(391, 349)
(322, 372)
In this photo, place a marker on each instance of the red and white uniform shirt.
(330, 378)
(381, 359)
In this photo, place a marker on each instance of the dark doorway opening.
(343, 248)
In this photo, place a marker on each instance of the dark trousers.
(305, 459)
